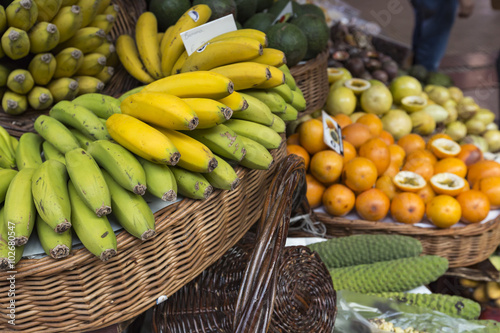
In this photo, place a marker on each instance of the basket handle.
(255, 302)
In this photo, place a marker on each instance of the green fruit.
(377, 99)
(341, 100)
(289, 39)
(467, 108)
(439, 79)
(419, 72)
(476, 140)
(456, 130)
(168, 11)
(278, 7)
(413, 103)
(439, 95)
(307, 8)
(356, 115)
(423, 123)
(456, 94)
(264, 4)
(316, 31)
(260, 21)
(219, 8)
(492, 137)
(403, 86)
(485, 116)
(245, 9)
(397, 122)
(437, 112)
(475, 126)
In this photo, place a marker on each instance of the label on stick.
(332, 134)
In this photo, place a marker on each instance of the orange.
(373, 122)
(377, 151)
(466, 186)
(392, 170)
(447, 183)
(387, 137)
(299, 151)
(326, 166)
(397, 154)
(407, 207)
(357, 134)
(338, 200)
(475, 206)
(342, 119)
(437, 136)
(443, 148)
(359, 174)
(314, 191)
(420, 166)
(411, 142)
(372, 205)
(483, 169)
(349, 151)
(427, 193)
(491, 187)
(470, 154)
(408, 181)
(311, 136)
(443, 211)
(452, 165)
(293, 139)
(386, 185)
(422, 154)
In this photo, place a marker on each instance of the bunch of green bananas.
(54, 50)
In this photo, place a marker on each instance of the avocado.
(278, 6)
(290, 39)
(419, 72)
(439, 79)
(219, 8)
(245, 9)
(264, 4)
(238, 25)
(168, 12)
(308, 8)
(260, 21)
(316, 31)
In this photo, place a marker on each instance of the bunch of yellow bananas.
(73, 53)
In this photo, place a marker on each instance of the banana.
(159, 37)
(172, 45)
(202, 84)
(14, 142)
(290, 113)
(271, 57)
(47, 9)
(165, 37)
(9, 254)
(129, 57)
(277, 78)
(14, 103)
(8, 142)
(85, 39)
(64, 88)
(195, 156)
(257, 111)
(3, 19)
(6, 176)
(278, 124)
(129, 93)
(235, 101)
(55, 132)
(105, 74)
(51, 153)
(4, 74)
(289, 79)
(257, 132)
(82, 139)
(108, 50)
(68, 3)
(160, 180)
(21, 14)
(131, 210)
(55, 245)
(88, 85)
(19, 208)
(111, 10)
(94, 232)
(80, 118)
(15, 43)
(176, 69)
(142, 139)
(273, 100)
(257, 156)
(86, 176)
(102, 6)
(245, 75)
(92, 64)
(160, 109)
(221, 140)
(103, 106)
(222, 52)
(7, 159)
(223, 177)
(68, 61)
(284, 91)
(192, 185)
(104, 22)
(42, 68)
(28, 151)
(120, 163)
(146, 30)
(68, 21)
(40, 98)
(249, 33)
(209, 112)
(298, 100)
(20, 81)
(89, 10)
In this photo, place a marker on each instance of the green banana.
(7, 159)
(104, 22)
(298, 102)
(51, 153)
(9, 254)
(278, 124)
(284, 91)
(15, 43)
(3, 19)
(102, 6)
(105, 75)
(56, 245)
(85, 39)
(92, 64)
(4, 74)
(68, 21)
(257, 111)
(14, 103)
(6, 176)
(108, 50)
(50, 194)
(257, 132)
(223, 177)
(221, 140)
(289, 79)
(191, 184)
(64, 88)
(88, 180)
(28, 152)
(14, 143)
(22, 14)
(47, 9)
(82, 139)
(20, 81)
(80, 118)
(43, 37)
(94, 232)
(273, 100)
(290, 114)
(42, 67)
(131, 210)
(160, 180)
(55, 132)
(101, 105)
(68, 61)
(257, 156)
(40, 98)
(88, 85)
(8, 142)
(19, 212)
(120, 164)
(89, 10)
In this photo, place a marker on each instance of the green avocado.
(167, 12)
(290, 39)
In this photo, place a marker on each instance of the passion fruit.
(397, 122)
(422, 122)
(475, 126)
(447, 183)
(456, 93)
(442, 148)
(356, 115)
(439, 95)
(413, 103)
(334, 74)
(403, 86)
(408, 181)
(456, 130)
(476, 140)
(485, 116)
(437, 112)
(492, 137)
(376, 99)
(340, 101)
(357, 85)
(467, 108)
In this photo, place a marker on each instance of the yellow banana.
(257, 156)
(142, 139)
(222, 52)
(15, 43)
(21, 14)
(160, 109)
(42, 68)
(68, 61)
(3, 19)
(203, 84)
(176, 69)
(130, 92)
(64, 88)
(106, 49)
(172, 44)
(68, 21)
(43, 37)
(209, 112)
(248, 33)
(165, 38)
(103, 106)
(104, 22)
(273, 100)
(129, 57)
(56, 245)
(245, 75)
(195, 156)
(47, 9)
(235, 101)
(159, 37)
(284, 91)
(85, 39)
(89, 10)
(160, 180)
(257, 111)
(289, 79)
(146, 30)
(88, 84)
(277, 78)
(257, 132)
(223, 177)
(271, 57)
(68, 2)
(290, 114)
(14, 103)
(112, 10)
(51, 153)
(4, 74)
(106, 74)
(93, 63)
(55, 132)
(28, 152)
(6, 176)
(192, 184)
(102, 6)
(50, 194)
(40, 98)
(20, 81)
(278, 125)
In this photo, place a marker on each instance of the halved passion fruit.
(443, 148)
(413, 103)
(334, 74)
(409, 181)
(357, 85)
(447, 183)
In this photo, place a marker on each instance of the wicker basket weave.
(81, 293)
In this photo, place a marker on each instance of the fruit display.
(54, 51)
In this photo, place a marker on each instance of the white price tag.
(332, 134)
(285, 14)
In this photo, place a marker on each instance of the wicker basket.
(258, 286)
(81, 293)
(312, 79)
(462, 246)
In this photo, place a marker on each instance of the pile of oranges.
(409, 180)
